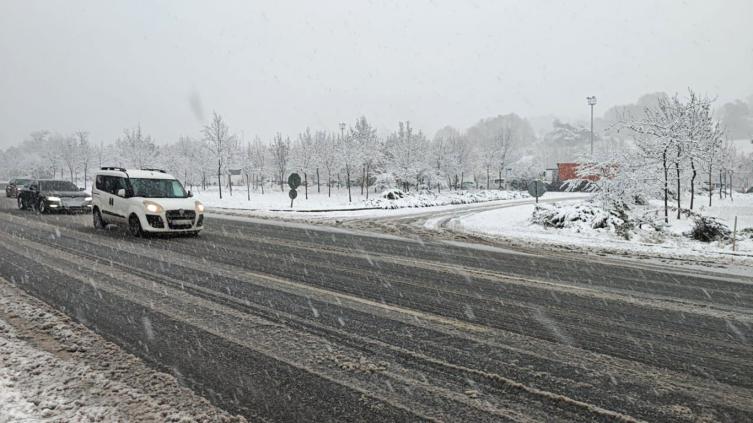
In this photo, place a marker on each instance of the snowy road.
(296, 323)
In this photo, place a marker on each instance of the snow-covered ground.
(53, 370)
(515, 223)
(276, 200)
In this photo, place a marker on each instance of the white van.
(145, 200)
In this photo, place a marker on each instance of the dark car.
(47, 195)
(11, 190)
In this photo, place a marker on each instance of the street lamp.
(591, 102)
(342, 131)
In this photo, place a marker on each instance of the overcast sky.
(271, 66)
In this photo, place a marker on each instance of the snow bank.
(277, 200)
(396, 199)
(576, 224)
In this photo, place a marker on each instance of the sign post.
(294, 181)
(536, 189)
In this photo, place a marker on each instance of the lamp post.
(591, 102)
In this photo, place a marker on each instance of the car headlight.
(199, 207)
(53, 198)
(87, 199)
(153, 207)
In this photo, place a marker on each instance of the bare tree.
(280, 150)
(85, 152)
(220, 143)
(260, 155)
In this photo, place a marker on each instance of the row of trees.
(405, 157)
(674, 142)
(676, 145)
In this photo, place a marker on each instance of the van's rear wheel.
(42, 207)
(98, 222)
(21, 205)
(135, 226)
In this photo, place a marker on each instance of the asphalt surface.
(284, 322)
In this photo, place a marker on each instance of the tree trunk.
(367, 181)
(720, 183)
(711, 190)
(677, 168)
(318, 189)
(363, 172)
(730, 184)
(462, 179)
(261, 176)
(230, 183)
(500, 178)
(692, 184)
(666, 186)
(329, 184)
(219, 177)
(248, 187)
(306, 185)
(347, 170)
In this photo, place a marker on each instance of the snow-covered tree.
(302, 156)
(136, 150)
(406, 155)
(261, 160)
(85, 153)
(280, 152)
(371, 150)
(329, 148)
(223, 145)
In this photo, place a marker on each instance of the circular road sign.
(294, 180)
(292, 194)
(536, 189)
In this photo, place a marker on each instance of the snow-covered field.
(276, 200)
(515, 223)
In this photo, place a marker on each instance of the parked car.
(146, 201)
(49, 195)
(11, 190)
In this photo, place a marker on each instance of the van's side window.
(101, 182)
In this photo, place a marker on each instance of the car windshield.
(23, 181)
(57, 186)
(158, 188)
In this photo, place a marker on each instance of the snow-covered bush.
(392, 194)
(582, 216)
(708, 229)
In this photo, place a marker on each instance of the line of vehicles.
(146, 201)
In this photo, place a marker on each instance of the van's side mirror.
(121, 193)
(190, 194)
(80, 189)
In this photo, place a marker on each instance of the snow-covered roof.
(137, 173)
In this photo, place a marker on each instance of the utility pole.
(592, 102)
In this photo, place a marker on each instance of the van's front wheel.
(135, 226)
(98, 222)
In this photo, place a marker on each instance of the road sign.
(293, 194)
(294, 181)
(536, 189)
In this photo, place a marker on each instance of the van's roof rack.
(155, 170)
(112, 168)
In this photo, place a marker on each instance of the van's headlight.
(199, 207)
(53, 198)
(87, 199)
(153, 207)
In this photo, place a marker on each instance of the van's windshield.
(158, 188)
